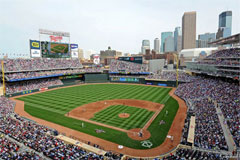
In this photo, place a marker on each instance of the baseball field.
(59, 48)
(109, 111)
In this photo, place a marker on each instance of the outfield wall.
(69, 80)
(138, 80)
(127, 80)
(163, 83)
(96, 78)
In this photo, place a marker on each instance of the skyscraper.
(169, 44)
(225, 19)
(189, 30)
(204, 39)
(156, 45)
(164, 35)
(178, 39)
(225, 24)
(80, 53)
(145, 45)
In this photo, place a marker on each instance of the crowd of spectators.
(31, 85)
(32, 74)
(221, 62)
(15, 65)
(172, 75)
(228, 58)
(182, 154)
(226, 53)
(208, 130)
(127, 67)
(187, 154)
(226, 95)
(92, 69)
(10, 150)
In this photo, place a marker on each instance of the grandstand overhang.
(228, 40)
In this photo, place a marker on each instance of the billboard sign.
(74, 50)
(35, 53)
(35, 48)
(55, 38)
(96, 59)
(74, 46)
(131, 59)
(34, 44)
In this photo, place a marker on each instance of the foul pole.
(3, 79)
(176, 58)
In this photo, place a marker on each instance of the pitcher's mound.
(124, 115)
(136, 134)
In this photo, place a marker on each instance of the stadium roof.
(228, 40)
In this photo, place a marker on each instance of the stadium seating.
(225, 63)
(16, 65)
(201, 91)
(226, 95)
(127, 67)
(31, 85)
(194, 154)
(171, 76)
(225, 53)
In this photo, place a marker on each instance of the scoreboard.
(55, 50)
(131, 59)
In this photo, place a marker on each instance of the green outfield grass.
(59, 47)
(138, 116)
(53, 105)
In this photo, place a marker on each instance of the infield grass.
(138, 116)
(53, 105)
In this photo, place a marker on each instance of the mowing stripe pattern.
(53, 105)
(138, 116)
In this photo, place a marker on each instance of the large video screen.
(55, 50)
(59, 48)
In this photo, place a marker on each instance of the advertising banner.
(96, 59)
(27, 92)
(43, 89)
(124, 79)
(35, 48)
(131, 59)
(35, 53)
(34, 44)
(74, 50)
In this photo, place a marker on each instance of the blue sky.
(97, 24)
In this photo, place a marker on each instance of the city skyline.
(96, 25)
